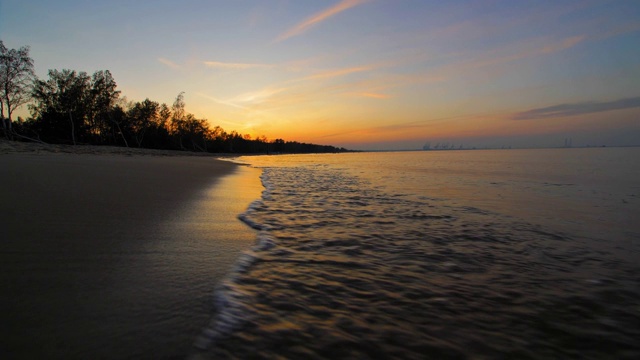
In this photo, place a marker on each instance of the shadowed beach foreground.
(112, 256)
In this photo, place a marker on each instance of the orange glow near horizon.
(361, 73)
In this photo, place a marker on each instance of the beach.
(122, 253)
(114, 252)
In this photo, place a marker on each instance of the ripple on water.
(342, 270)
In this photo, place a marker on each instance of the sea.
(465, 254)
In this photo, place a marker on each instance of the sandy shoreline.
(114, 252)
(12, 147)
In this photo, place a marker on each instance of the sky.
(362, 74)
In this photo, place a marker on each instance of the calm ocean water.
(442, 254)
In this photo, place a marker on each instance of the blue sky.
(377, 74)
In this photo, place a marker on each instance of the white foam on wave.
(258, 204)
(265, 178)
(245, 217)
(265, 242)
(227, 297)
(229, 301)
(228, 305)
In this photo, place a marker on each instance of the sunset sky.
(363, 74)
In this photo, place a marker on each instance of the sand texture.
(111, 256)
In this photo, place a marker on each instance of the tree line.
(70, 107)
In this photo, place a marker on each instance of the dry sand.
(114, 252)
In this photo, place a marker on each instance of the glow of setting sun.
(358, 73)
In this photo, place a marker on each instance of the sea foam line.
(229, 301)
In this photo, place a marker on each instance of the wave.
(342, 269)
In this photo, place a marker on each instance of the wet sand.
(105, 255)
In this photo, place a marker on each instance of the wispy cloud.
(365, 94)
(256, 97)
(169, 63)
(550, 48)
(495, 59)
(418, 125)
(577, 109)
(234, 66)
(222, 101)
(299, 65)
(563, 45)
(376, 83)
(337, 72)
(373, 85)
(319, 17)
(298, 90)
(372, 95)
(619, 30)
(246, 108)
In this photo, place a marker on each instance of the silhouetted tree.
(16, 75)
(101, 100)
(177, 124)
(196, 132)
(118, 118)
(73, 107)
(278, 145)
(65, 93)
(84, 103)
(143, 117)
